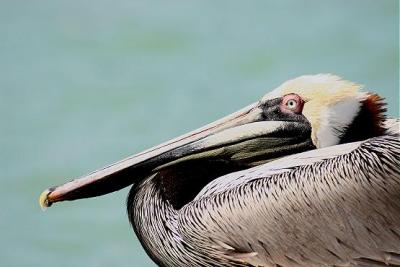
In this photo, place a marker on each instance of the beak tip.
(43, 200)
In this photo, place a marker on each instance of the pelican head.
(301, 114)
(337, 110)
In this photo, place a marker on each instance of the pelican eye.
(292, 103)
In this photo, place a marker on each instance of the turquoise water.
(85, 83)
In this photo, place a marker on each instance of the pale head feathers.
(331, 104)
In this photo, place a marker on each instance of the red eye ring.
(292, 103)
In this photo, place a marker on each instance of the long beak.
(242, 137)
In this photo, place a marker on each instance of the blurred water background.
(86, 83)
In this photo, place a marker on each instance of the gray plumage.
(337, 206)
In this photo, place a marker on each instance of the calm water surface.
(86, 83)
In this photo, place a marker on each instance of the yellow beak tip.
(43, 200)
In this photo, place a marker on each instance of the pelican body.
(307, 176)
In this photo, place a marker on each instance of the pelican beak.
(243, 139)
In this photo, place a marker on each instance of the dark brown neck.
(368, 122)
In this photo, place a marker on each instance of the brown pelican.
(307, 176)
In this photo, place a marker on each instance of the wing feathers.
(338, 206)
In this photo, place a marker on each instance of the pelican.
(309, 175)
